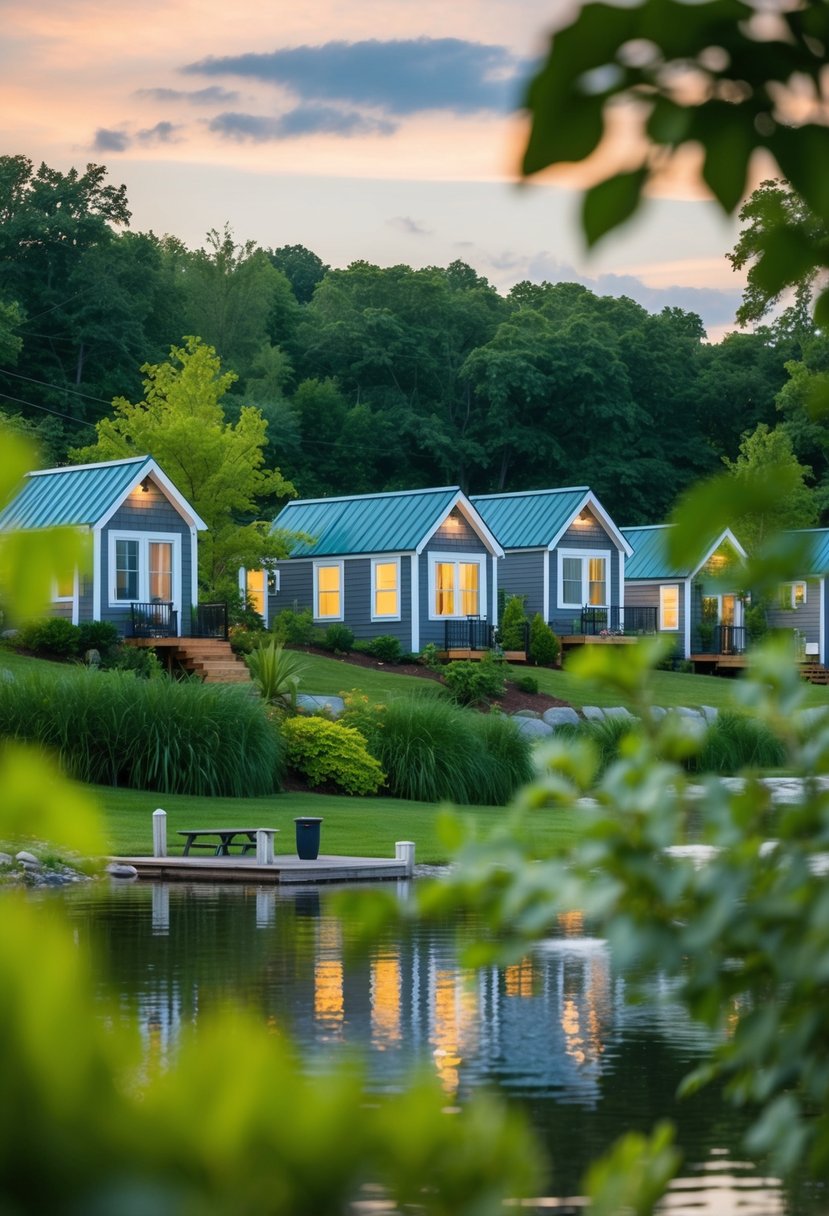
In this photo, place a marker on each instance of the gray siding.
(580, 537)
(522, 573)
(458, 538)
(646, 595)
(143, 513)
(806, 619)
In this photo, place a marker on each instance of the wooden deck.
(286, 870)
(211, 658)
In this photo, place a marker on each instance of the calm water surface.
(557, 1034)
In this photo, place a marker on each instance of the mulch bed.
(512, 701)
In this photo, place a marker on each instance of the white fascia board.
(96, 574)
(474, 520)
(687, 602)
(822, 618)
(150, 469)
(590, 500)
(728, 535)
(414, 593)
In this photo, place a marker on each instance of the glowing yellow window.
(597, 590)
(161, 571)
(445, 589)
(256, 590)
(669, 607)
(329, 591)
(469, 575)
(386, 591)
(65, 587)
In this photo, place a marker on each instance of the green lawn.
(358, 826)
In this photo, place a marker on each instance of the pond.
(555, 1033)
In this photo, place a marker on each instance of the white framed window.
(793, 595)
(583, 578)
(144, 567)
(669, 606)
(457, 585)
(63, 589)
(328, 591)
(385, 589)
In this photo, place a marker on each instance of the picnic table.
(223, 839)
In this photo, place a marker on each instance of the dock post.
(264, 846)
(159, 833)
(404, 850)
(161, 908)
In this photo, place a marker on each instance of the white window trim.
(145, 539)
(320, 565)
(384, 561)
(662, 627)
(789, 589)
(584, 555)
(458, 558)
(74, 599)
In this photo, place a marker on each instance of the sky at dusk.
(384, 130)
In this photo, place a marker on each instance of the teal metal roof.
(369, 523)
(650, 557)
(529, 520)
(818, 547)
(76, 495)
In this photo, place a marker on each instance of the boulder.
(27, 859)
(561, 715)
(533, 728)
(117, 869)
(526, 713)
(335, 706)
(592, 713)
(684, 712)
(618, 711)
(710, 713)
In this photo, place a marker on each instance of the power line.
(57, 413)
(58, 387)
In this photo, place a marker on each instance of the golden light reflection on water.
(328, 975)
(519, 978)
(455, 1015)
(571, 924)
(385, 1000)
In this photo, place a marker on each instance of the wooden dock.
(286, 870)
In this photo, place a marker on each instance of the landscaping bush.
(108, 728)
(243, 641)
(142, 661)
(338, 638)
(526, 684)
(364, 716)
(53, 636)
(276, 672)
(429, 657)
(544, 645)
(475, 683)
(324, 751)
(102, 636)
(432, 751)
(737, 741)
(295, 627)
(512, 632)
(386, 648)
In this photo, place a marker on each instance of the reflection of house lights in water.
(572, 1030)
(455, 1011)
(385, 1001)
(571, 923)
(328, 974)
(519, 978)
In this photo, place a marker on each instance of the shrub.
(475, 683)
(386, 648)
(328, 751)
(429, 657)
(737, 741)
(433, 750)
(276, 672)
(244, 641)
(180, 738)
(544, 645)
(142, 661)
(513, 629)
(338, 638)
(102, 636)
(53, 636)
(526, 684)
(365, 717)
(294, 627)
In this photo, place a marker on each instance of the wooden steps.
(210, 658)
(814, 672)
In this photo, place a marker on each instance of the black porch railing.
(471, 633)
(728, 640)
(153, 620)
(209, 621)
(615, 620)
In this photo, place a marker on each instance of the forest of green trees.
(377, 378)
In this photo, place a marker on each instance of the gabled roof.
(650, 553)
(817, 540)
(537, 519)
(86, 494)
(398, 522)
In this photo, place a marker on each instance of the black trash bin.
(307, 838)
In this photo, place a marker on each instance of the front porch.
(206, 652)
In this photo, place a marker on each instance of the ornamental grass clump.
(434, 751)
(324, 751)
(108, 728)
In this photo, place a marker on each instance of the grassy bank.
(360, 826)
